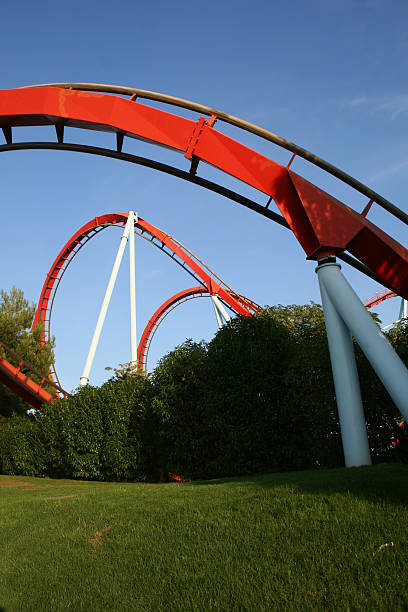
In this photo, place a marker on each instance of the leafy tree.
(126, 370)
(392, 434)
(16, 315)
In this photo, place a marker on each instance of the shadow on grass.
(384, 482)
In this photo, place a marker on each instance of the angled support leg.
(217, 314)
(385, 361)
(217, 303)
(84, 380)
(351, 415)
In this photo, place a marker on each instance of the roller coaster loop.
(210, 283)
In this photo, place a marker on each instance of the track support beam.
(343, 301)
(403, 313)
(351, 415)
(7, 134)
(84, 380)
(216, 311)
(224, 314)
(132, 219)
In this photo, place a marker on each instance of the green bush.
(21, 449)
(246, 395)
(179, 391)
(100, 433)
(258, 398)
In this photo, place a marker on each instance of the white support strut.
(221, 309)
(217, 314)
(132, 287)
(84, 380)
(403, 311)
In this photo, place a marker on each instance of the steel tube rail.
(34, 370)
(149, 163)
(245, 125)
(155, 165)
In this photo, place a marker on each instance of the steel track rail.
(185, 175)
(244, 125)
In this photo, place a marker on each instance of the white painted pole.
(132, 288)
(221, 308)
(84, 380)
(385, 361)
(217, 314)
(401, 311)
(350, 408)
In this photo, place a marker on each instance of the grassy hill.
(323, 540)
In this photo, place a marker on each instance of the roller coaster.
(326, 228)
(210, 285)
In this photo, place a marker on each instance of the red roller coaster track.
(211, 284)
(322, 224)
(17, 379)
(379, 297)
(169, 305)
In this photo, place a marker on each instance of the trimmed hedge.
(97, 434)
(258, 398)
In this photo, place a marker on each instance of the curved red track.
(16, 378)
(323, 225)
(168, 306)
(379, 297)
(211, 284)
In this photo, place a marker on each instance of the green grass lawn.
(298, 541)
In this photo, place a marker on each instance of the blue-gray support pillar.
(385, 361)
(351, 414)
(403, 313)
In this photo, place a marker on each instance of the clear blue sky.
(329, 75)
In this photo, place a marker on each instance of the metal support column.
(217, 314)
(351, 415)
(385, 361)
(224, 314)
(132, 287)
(403, 313)
(84, 380)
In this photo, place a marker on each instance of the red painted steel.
(238, 303)
(378, 298)
(172, 302)
(323, 225)
(20, 383)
